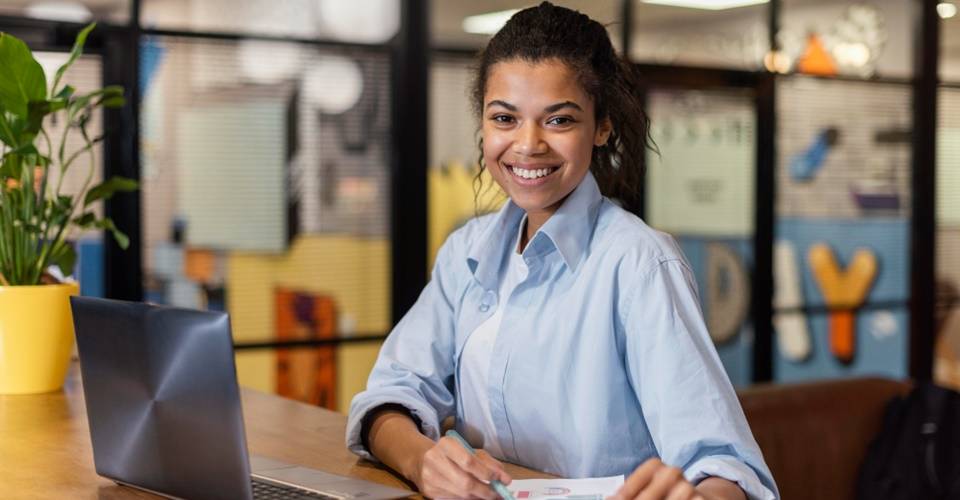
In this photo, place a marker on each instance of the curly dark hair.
(549, 32)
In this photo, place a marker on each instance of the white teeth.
(531, 174)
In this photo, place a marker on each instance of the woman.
(562, 333)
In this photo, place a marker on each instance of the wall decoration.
(730, 261)
(805, 164)
(232, 182)
(948, 168)
(865, 172)
(355, 275)
(306, 374)
(152, 52)
(850, 42)
(728, 292)
(842, 288)
(816, 60)
(342, 136)
(878, 194)
(879, 335)
(790, 324)
(702, 182)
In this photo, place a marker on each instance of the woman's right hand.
(448, 470)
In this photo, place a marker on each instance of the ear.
(604, 128)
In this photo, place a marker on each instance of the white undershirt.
(478, 425)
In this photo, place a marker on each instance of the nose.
(528, 140)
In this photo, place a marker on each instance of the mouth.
(531, 172)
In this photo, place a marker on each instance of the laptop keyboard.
(263, 490)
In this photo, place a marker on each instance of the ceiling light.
(489, 23)
(269, 62)
(361, 21)
(707, 4)
(59, 11)
(333, 84)
(946, 10)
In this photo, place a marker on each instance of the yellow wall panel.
(354, 271)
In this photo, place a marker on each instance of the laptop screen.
(162, 398)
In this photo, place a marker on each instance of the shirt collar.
(568, 230)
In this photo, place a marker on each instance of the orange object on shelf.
(200, 265)
(815, 59)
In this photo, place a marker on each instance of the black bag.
(916, 456)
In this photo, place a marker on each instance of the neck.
(535, 220)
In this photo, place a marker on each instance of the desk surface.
(45, 444)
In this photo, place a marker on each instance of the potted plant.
(36, 218)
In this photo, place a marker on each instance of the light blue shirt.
(602, 359)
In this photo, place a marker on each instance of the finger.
(461, 483)
(434, 483)
(663, 481)
(502, 474)
(638, 480)
(431, 488)
(682, 490)
(467, 461)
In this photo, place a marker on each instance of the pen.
(497, 485)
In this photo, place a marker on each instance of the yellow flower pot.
(36, 337)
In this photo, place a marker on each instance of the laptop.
(164, 409)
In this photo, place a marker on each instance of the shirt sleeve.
(690, 407)
(415, 366)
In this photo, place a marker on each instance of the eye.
(502, 118)
(560, 120)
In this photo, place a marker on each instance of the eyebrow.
(549, 109)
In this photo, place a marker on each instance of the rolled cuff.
(731, 469)
(366, 402)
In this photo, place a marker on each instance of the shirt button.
(488, 300)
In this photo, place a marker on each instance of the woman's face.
(538, 132)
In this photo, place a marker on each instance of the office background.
(301, 161)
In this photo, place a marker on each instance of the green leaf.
(26, 149)
(86, 220)
(36, 112)
(64, 257)
(122, 240)
(17, 131)
(64, 202)
(11, 168)
(119, 236)
(108, 188)
(74, 54)
(7, 134)
(108, 93)
(66, 92)
(21, 76)
(113, 102)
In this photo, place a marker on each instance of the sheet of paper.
(596, 488)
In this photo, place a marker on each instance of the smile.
(531, 173)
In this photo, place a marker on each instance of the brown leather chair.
(815, 435)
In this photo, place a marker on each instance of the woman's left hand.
(655, 480)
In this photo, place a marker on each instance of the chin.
(530, 205)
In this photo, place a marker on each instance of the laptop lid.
(162, 398)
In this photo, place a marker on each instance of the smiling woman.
(561, 333)
(539, 149)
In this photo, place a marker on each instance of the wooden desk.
(45, 450)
